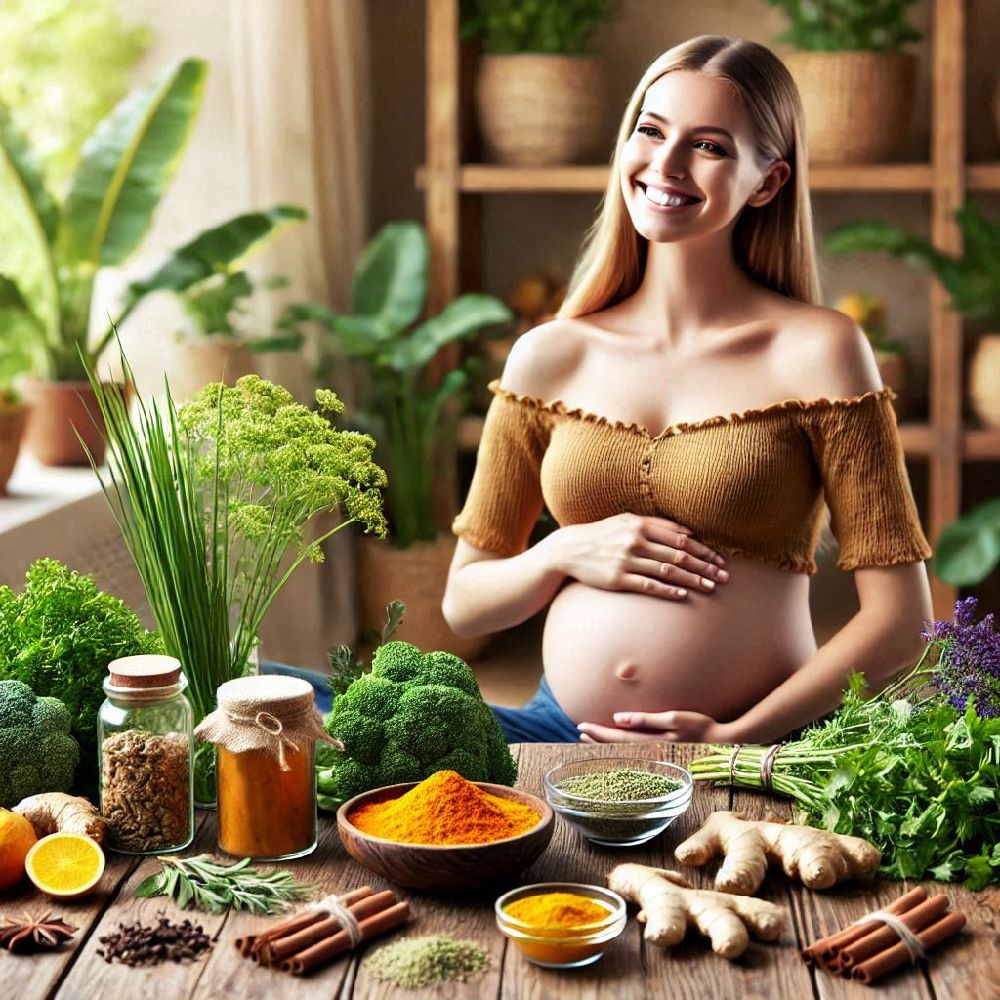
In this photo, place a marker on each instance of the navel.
(627, 671)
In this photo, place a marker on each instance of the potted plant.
(857, 83)
(869, 312)
(540, 91)
(50, 252)
(406, 410)
(12, 417)
(215, 345)
(972, 280)
(215, 499)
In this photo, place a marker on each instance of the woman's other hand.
(672, 727)
(648, 555)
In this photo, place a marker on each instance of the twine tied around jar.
(270, 712)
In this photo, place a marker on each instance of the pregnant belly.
(611, 651)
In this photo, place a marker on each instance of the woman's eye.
(712, 147)
(648, 130)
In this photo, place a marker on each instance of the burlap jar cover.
(268, 712)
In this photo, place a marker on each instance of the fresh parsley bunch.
(914, 769)
(58, 637)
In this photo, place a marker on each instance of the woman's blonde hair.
(773, 244)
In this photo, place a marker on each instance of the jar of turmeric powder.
(265, 730)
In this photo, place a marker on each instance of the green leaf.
(29, 175)
(127, 163)
(461, 319)
(151, 886)
(390, 278)
(216, 250)
(968, 549)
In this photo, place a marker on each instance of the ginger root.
(818, 858)
(669, 904)
(52, 812)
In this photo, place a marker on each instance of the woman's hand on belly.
(631, 552)
(674, 727)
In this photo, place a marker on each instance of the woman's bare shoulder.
(825, 353)
(542, 359)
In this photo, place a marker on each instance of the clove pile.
(136, 944)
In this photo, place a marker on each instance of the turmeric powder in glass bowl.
(619, 801)
(561, 925)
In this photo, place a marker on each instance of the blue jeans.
(540, 721)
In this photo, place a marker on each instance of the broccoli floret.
(412, 715)
(37, 752)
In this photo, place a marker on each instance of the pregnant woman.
(687, 419)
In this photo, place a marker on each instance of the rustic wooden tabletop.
(965, 968)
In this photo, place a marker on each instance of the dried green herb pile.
(419, 962)
(620, 785)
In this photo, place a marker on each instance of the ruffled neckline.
(559, 408)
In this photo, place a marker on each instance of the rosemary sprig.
(204, 884)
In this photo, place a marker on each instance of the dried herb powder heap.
(622, 785)
(418, 962)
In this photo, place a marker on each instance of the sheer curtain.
(300, 83)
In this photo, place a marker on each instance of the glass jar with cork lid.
(144, 735)
(265, 731)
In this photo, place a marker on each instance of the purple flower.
(968, 664)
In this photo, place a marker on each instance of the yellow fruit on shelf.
(65, 865)
(17, 836)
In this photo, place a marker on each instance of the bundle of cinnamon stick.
(868, 950)
(316, 937)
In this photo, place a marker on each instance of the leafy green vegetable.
(37, 753)
(59, 636)
(413, 714)
(203, 884)
(905, 769)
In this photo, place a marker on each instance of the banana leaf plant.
(51, 252)
(402, 406)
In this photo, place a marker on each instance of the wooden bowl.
(447, 866)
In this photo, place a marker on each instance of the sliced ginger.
(669, 905)
(818, 858)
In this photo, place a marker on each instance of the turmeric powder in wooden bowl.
(445, 832)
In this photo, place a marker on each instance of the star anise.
(28, 934)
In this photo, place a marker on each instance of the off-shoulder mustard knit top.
(751, 483)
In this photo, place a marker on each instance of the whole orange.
(17, 836)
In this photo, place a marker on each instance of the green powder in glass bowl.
(619, 802)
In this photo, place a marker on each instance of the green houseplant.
(214, 499)
(51, 251)
(855, 79)
(540, 85)
(968, 549)
(406, 410)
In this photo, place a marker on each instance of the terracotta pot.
(538, 110)
(984, 380)
(417, 577)
(858, 105)
(12, 420)
(56, 409)
(198, 360)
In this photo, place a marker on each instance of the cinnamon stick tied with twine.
(881, 941)
(329, 928)
(826, 950)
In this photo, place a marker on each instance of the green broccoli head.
(37, 752)
(413, 714)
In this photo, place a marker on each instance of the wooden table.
(966, 968)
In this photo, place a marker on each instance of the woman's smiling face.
(691, 164)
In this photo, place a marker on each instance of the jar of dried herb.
(265, 730)
(145, 738)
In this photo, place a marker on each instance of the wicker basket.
(540, 110)
(417, 577)
(858, 105)
(984, 380)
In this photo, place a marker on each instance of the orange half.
(65, 865)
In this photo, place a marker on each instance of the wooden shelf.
(489, 178)
(983, 177)
(981, 445)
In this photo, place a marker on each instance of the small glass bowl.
(619, 824)
(563, 947)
